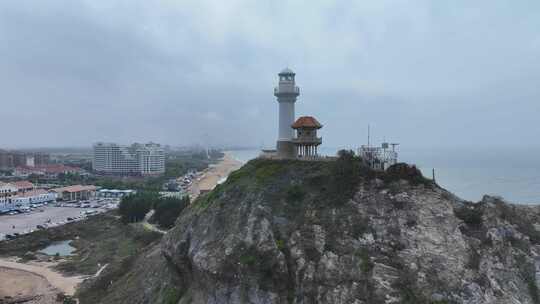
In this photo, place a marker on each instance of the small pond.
(62, 248)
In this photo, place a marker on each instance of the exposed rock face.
(306, 232)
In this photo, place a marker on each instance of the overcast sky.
(423, 73)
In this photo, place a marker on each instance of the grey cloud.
(428, 73)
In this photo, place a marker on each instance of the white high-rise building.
(137, 159)
(151, 159)
(286, 93)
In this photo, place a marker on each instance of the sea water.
(468, 173)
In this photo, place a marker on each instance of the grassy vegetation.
(204, 201)
(118, 244)
(264, 174)
(99, 240)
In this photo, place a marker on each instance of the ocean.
(470, 174)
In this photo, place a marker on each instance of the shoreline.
(214, 175)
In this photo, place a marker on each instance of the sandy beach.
(210, 177)
(20, 284)
(34, 280)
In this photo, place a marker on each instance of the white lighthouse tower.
(286, 93)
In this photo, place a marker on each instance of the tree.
(168, 209)
(133, 208)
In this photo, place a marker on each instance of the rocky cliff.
(336, 232)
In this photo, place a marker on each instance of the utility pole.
(368, 135)
(433, 175)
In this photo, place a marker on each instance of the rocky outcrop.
(336, 232)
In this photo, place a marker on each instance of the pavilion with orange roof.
(306, 140)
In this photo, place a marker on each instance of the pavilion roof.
(306, 122)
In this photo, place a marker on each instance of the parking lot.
(48, 216)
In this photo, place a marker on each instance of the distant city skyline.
(422, 73)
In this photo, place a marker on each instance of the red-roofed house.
(51, 171)
(23, 186)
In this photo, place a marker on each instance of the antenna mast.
(368, 135)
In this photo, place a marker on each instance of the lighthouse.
(286, 93)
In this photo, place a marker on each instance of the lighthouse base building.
(286, 149)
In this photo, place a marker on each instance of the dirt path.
(149, 226)
(38, 271)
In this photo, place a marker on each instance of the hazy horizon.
(422, 73)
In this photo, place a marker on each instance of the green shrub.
(295, 193)
(248, 259)
(69, 300)
(474, 260)
(365, 264)
(280, 244)
(406, 172)
(470, 214)
(171, 295)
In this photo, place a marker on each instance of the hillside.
(336, 232)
